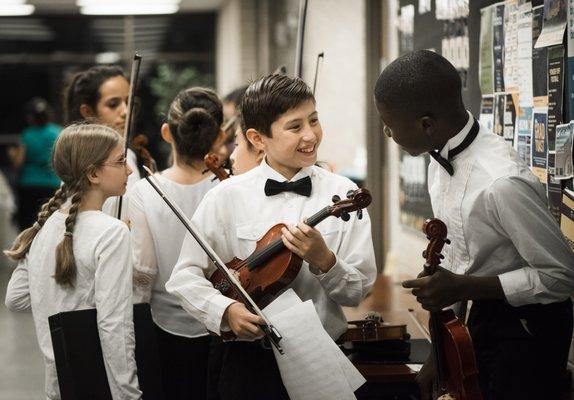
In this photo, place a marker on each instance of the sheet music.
(312, 363)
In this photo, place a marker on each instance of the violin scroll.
(356, 201)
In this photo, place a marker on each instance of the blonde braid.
(65, 273)
(22, 243)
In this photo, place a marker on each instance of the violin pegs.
(441, 256)
(345, 217)
(350, 194)
(447, 241)
(335, 199)
(424, 254)
(360, 213)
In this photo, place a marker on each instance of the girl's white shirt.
(103, 281)
(110, 206)
(157, 237)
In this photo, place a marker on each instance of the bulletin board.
(537, 126)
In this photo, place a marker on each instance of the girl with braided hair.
(100, 95)
(76, 257)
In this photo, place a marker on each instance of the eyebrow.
(314, 113)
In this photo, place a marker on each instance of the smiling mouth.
(308, 150)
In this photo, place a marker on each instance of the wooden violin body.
(373, 329)
(272, 267)
(213, 164)
(451, 341)
(460, 364)
(276, 275)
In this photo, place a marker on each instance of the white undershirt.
(157, 236)
(103, 281)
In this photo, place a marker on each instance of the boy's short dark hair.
(419, 82)
(269, 97)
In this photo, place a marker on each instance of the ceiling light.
(16, 9)
(122, 9)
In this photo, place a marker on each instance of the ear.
(93, 176)
(87, 112)
(166, 134)
(428, 126)
(256, 139)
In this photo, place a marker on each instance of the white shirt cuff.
(333, 277)
(217, 306)
(518, 286)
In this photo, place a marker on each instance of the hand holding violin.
(308, 243)
(445, 288)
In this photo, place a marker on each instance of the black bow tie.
(302, 187)
(455, 151)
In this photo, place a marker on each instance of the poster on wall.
(510, 112)
(570, 66)
(486, 117)
(523, 139)
(555, 91)
(524, 54)
(539, 144)
(511, 66)
(567, 217)
(486, 70)
(406, 28)
(498, 47)
(499, 113)
(414, 199)
(539, 62)
(555, 17)
(563, 150)
(554, 193)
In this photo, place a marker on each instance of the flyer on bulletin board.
(539, 144)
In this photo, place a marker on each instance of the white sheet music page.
(312, 366)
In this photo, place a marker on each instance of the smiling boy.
(339, 264)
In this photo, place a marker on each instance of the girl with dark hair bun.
(100, 95)
(37, 181)
(193, 130)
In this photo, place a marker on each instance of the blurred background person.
(36, 179)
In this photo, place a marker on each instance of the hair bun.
(196, 119)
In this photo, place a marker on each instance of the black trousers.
(183, 365)
(244, 371)
(521, 352)
(30, 199)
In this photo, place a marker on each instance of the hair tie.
(68, 234)
(37, 226)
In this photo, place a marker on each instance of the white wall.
(236, 44)
(337, 28)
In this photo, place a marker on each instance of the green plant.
(170, 81)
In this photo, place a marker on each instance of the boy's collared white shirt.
(498, 222)
(236, 214)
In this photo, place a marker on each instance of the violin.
(373, 329)
(139, 145)
(271, 267)
(215, 165)
(451, 341)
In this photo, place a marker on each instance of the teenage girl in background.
(75, 257)
(100, 95)
(193, 129)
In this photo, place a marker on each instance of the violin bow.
(300, 37)
(129, 118)
(319, 58)
(270, 331)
